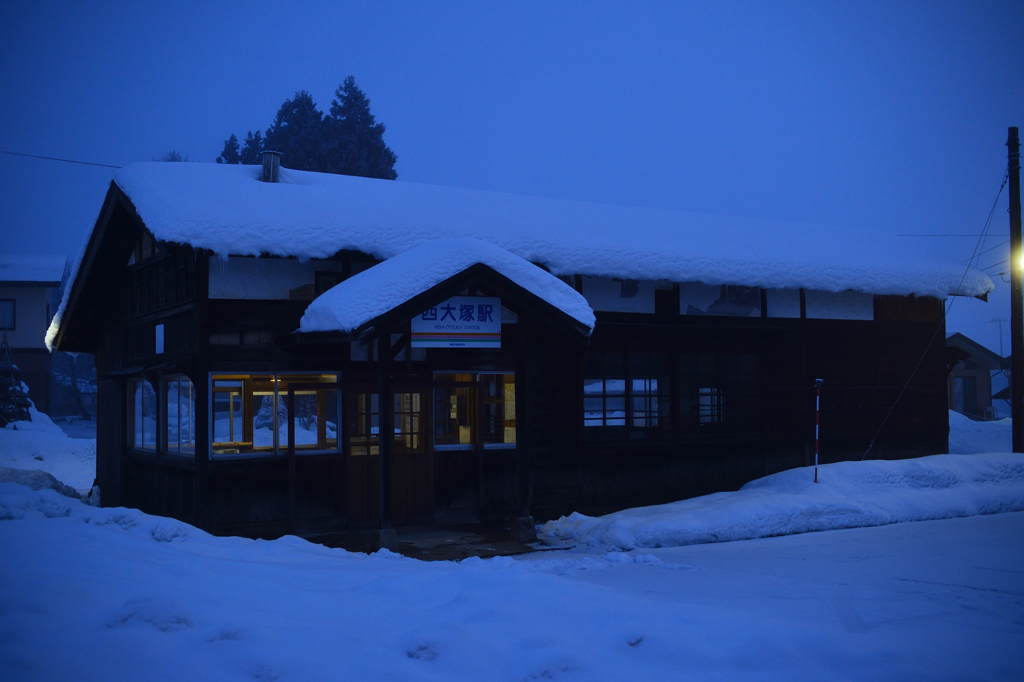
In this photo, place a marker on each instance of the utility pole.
(1016, 294)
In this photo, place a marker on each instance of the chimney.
(271, 166)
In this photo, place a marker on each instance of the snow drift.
(850, 495)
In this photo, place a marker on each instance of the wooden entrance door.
(411, 468)
(411, 463)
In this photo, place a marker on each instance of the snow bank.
(21, 499)
(39, 422)
(968, 437)
(36, 480)
(850, 495)
(41, 444)
(374, 292)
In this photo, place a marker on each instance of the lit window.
(472, 409)
(316, 412)
(455, 410)
(365, 425)
(499, 409)
(408, 422)
(250, 413)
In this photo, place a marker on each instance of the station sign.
(459, 322)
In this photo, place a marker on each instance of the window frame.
(650, 384)
(715, 392)
(133, 417)
(280, 444)
(163, 425)
(477, 404)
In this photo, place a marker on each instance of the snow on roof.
(226, 209)
(373, 292)
(32, 269)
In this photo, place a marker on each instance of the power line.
(54, 158)
(978, 246)
(992, 248)
(949, 235)
(997, 265)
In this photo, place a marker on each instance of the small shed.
(969, 386)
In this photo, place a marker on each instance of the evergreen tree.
(354, 141)
(173, 155)
(348, 141)
(230, 153)
(13, 399)
(297, 132)
(252, 148)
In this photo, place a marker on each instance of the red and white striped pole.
(817, 422)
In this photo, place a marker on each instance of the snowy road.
(113, 594)
(927, 600)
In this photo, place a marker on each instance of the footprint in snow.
(424, 652)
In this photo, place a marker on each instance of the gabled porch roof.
(405, 285)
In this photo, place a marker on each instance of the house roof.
(226, 209)
(977, 351)
(372, 293)
(32, 270)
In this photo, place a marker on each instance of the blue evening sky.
(885, 115)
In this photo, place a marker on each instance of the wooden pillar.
(1016, 293)
(290, 405)
(204, 397)
(386, 537)
(111, 435)
(523, 526)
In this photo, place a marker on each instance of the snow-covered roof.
(226, 209)
(373, 292)
(31, 269)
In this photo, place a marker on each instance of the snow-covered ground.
(115, 594)
(967, 437)
(41, 444)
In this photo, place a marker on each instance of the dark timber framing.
(707, 402)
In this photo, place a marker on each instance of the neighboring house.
(27, 288)
(535, 356)
(1005, 394)
(969, 385)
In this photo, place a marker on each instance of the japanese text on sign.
(459, 322)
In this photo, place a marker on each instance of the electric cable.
(945, 314)
(54, 158)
